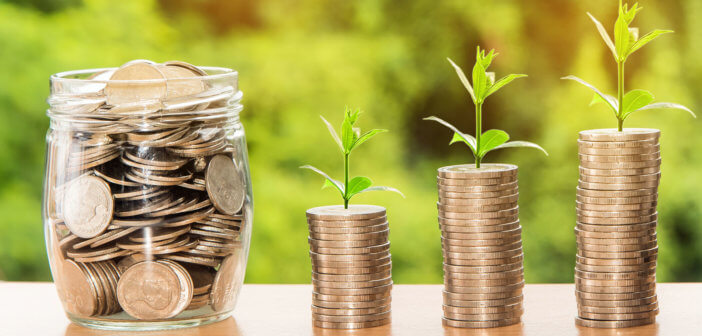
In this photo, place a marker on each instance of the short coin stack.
(615, 271)
(482, 245)
(351, 266)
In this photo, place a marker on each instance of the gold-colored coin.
(615, 289)
(505, 234)
(479, 201)
(616, 269)
(617, 228)
(350, 312)
(614, 283)
(614, 135)
(482, 288)
(76, 290)
(616, 207)
(621, 179)
(462, 260)
(480, 324)
(612, 145)
(588, 149)
(652, 185)
(483, 303)
(613, 235)
(459, 239)
(443, 194)
(173, 294)
(226, 284)
(88, 206)
(615, 296)
(482, 269)
(621, 165)
(353, 270)
(324, 264)
(350, 298)
(619, 255)
(351, 250)
(618, 220)
(315, 243)
(619, 158)
(482, 296)
(350, 285)
(619, 171)
(618, 303)
(517, 312)
(617, 248)
(224, 184)
(338, 213)
(348, 230)
(613, 324)
(347, 223)
(519, 272)
(135, 81)
(462, 283)
(617, 241)
(509, 213)
(486, 171)
(350, 236)
(618, 317)
(351, 318)
(476, 182)
(616, 201)
(479, 188)
(615, 193)
(482, 310)
(350, 325)
(474, 209)
(480, 229)
(614, 276)
(351, 277)
(478, 222)
(352, 305)
(465, 245)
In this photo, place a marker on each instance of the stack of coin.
(615, 271)
(482, 245)
(147, 193)
(351, 266)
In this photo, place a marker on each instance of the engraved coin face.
(88, 206)
(151, 290)
(224, 185)
(124, 87)
(225, 285)
(77, 293)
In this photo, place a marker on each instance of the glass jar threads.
(147, 195)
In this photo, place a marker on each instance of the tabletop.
(34, 309)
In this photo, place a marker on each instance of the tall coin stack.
(351, 266)
(482, 245)
(615, 270)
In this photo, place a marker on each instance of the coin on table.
(624, 241)
(616, 207)
(350, 325)
(475, 181)
(483, 310)
(347, 224)
(479, 188)
(617, 200)
(620, 158)
(477, 208)
(352, 305)
(619, 310)
(510, 273)
(616, 234)
(619, 255)
(621, 179)
(618, 317)
(619, 171)
(482, 296)
(135, 81)
(580, 295)
(351, 318)
(480, 229)
(225, 186)
(355, 212)
(517, 312)
(483, 288)
(477, 195)
(480, 201)
(351, 298)
(613, 324)
(615, 145)
(621, 165)
(88, 206)
(615, 289)
(617, 228)
(153, 290)
(479, 324)
(509, 213)
(651, 185)
(586, 148)
(618, 303)
(478, 222)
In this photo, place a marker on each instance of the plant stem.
(620, 94)
(346, 181)
(478, 131)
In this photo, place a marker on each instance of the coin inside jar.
(224, 184)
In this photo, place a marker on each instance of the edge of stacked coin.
(617, 195)
(351, 266)
(482, 245)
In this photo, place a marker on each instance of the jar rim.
(213, 73)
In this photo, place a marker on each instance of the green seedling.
(626, 42)
(350, 139)
(483, 86)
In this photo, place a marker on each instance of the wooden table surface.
(34, 309)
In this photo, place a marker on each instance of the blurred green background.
(299, 59)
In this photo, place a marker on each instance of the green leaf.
(338, 185)
(490, 139)
(381, 188)
(502, 82)
(634, 100)
(366, 136)
(468, 139)
(347, 134)
(333, 134)
(623, 39)
(598, 99)
(604, 34)
(527, 144)
(463, 78)
(648, 38)
(675, 106)
(480, 82)
(607, 98)
(358, 184)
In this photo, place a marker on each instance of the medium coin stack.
(146, 194)
(615, 270)
(351, 266)
(482, 245)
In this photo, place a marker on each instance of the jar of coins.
(147, 195)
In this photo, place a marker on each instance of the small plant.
(626, 42)
(350, 139)
(484, 85)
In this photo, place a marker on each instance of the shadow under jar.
(147, 195)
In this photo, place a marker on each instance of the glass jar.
(147, 195)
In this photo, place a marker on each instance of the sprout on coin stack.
(147, 201)
(349, 247)
(617, 195)
(479, 220)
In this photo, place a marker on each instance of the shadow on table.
(226, 327)
(633, 331)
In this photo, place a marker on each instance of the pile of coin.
(146, 193)
(351, 266)
(615, 270)
(482, 245)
